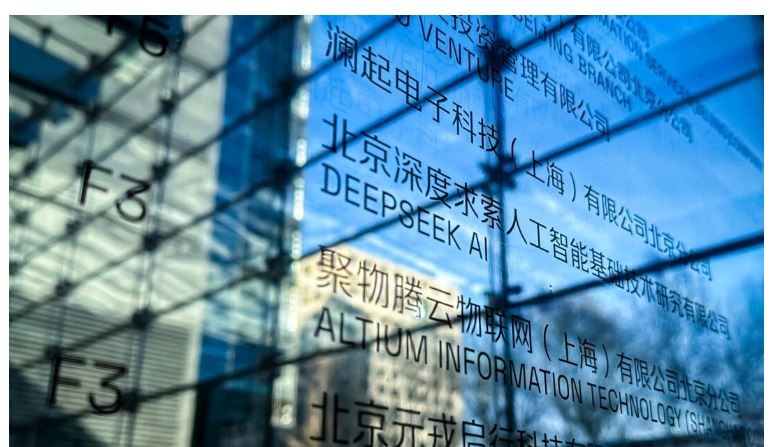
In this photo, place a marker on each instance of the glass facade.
(386, 230)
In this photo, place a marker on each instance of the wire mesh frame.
(718, 250)
(553, 154)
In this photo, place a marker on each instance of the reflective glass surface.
(386, 230)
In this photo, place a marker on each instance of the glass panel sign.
(386, 230)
